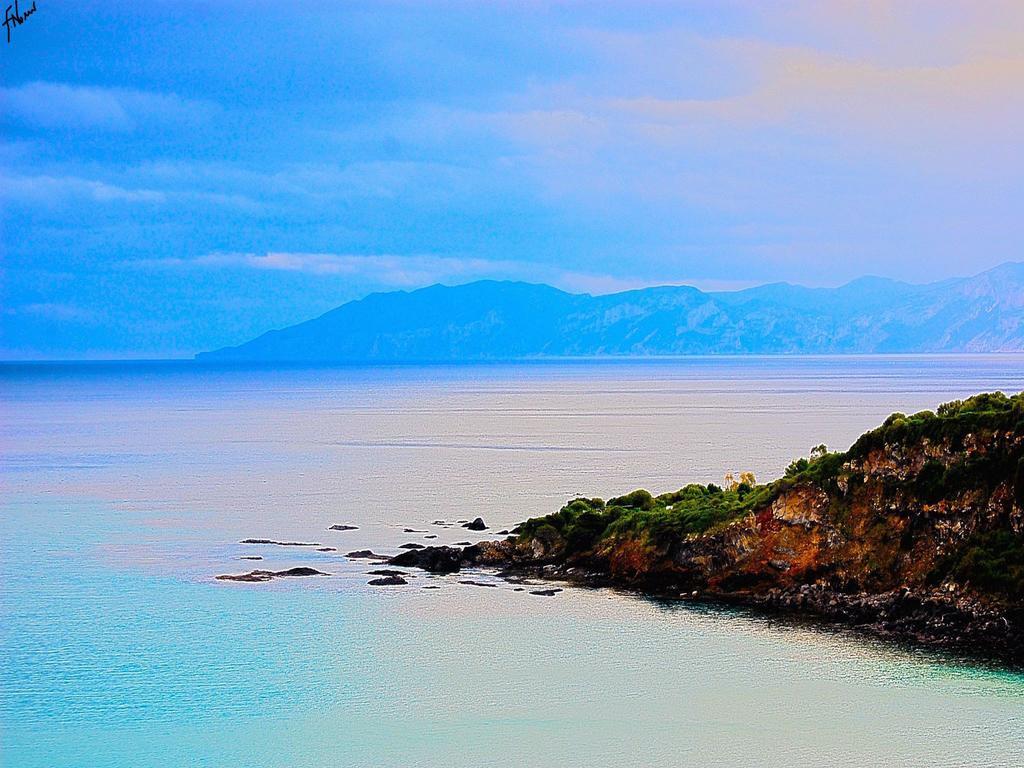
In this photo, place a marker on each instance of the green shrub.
(992, 561)
(638, 499)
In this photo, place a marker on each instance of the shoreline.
(921, 619)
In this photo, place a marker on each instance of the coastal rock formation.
(917, 531)
(436, 559)
(478, 524)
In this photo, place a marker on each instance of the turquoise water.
(127, 488)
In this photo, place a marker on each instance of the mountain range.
(508, 320)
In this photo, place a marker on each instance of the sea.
(126, 488)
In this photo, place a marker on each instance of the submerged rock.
(545, 592)
(386, 572)
(477, 525)
(343, 527)
(280, 543)
(411, 545)
(327, 549)
(251, 557)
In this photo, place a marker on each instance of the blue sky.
(180, 176)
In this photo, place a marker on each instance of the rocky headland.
(916, 533)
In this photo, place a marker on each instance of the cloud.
(414, 271)
(310, 181)
(52, 189)
(58, 105)
(61, 312)
(384, 269)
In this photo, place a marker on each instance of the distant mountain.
(505, 320)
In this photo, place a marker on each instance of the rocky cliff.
(916, 531)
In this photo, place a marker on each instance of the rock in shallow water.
(366, 554)
(387, 581)
(344, 527)
(477, 525)
(411, 545)
(256, 576)
(433, 559)
(545, 592)
(280, 543)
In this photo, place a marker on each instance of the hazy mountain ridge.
(502, 320)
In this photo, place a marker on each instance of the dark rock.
(430, 536)
(250, 576)
(387, 581)
(280, 543)
(503, 533)
(300, 571)
(439, 559)
(412, 530)
(412, 545)
(251, 557)
(254, 576)
(545, 592)
(462, 543)
(477, 525)
(477, 583)
(344, 528)
(365, 554)
(433, 559)
(327, 549)
(387, 572)
(519, 589)
(430, 586)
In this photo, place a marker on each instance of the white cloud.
(59, 105)
(415, 271)
(52, 189)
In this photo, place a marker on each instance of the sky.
(179, 176)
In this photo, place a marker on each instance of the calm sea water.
(127, 487)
